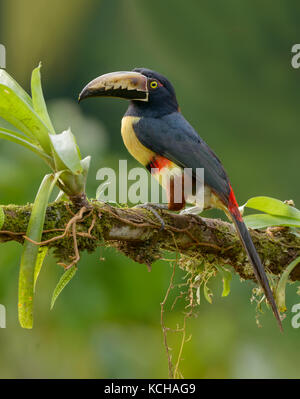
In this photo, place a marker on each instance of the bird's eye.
(153, 84)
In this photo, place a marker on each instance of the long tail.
(258, 268)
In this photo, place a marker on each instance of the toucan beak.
(128, 85)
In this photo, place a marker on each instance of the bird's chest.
(158, 166)
(133, 145)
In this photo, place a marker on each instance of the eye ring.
(153, 84)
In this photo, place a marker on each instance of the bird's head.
(148, 90)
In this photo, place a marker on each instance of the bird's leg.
(175, 191)
(153, 209)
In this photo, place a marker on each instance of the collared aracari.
(159, 137)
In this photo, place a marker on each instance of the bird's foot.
(193, 210)
(153, 209)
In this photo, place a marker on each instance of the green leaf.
(207, 294)
(2, 217)
(16, 108)
(226, 279)
(39, 263)
(26, 142)
(64, 280)
(280, 290)
(85, 163)
(67, 152)
(262, 220)
(17, 134)
(227, 276)
(38, 100)
(8, 81)
(81, 178)
(61, 197)
(30, 251)
(73, 184)
(273, 206)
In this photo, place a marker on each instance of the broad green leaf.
(15, 111)
(38, 100)
(280, 290)
(17, 134)
(30, 251)
(273, 206)
(2, 217)
(39, 263)
(20, 139)
(8, 81)
(262, 221)
(63, 281)
(16, 108)
(66, 152)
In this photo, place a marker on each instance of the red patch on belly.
(159, 163)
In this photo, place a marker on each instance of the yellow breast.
(133, 145)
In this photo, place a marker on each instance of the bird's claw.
(153, 209)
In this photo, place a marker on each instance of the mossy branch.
(137, 234)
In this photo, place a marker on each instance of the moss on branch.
(137, 234)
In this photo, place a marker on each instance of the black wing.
(175, 139)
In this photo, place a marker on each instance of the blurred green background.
(231, 65)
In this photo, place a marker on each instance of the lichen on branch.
(137, 234)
